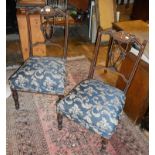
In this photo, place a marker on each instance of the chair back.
(50, 19)
(120, 45)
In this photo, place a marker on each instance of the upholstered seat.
(95, 105)
(40, 74)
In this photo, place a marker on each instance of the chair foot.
(104, 144)
(60, 119)
(59, 98)
(15, 97)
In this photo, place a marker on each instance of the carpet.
(32, 130)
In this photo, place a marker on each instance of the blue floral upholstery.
(40, 74)
(95, 105)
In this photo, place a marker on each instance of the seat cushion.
(95, 105)
(40, 74)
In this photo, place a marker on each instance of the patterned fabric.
(40, 74)
(95, 105)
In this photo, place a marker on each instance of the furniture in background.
(102, 14)
(35, 22)
(37, 35)
(140, 10)
(105, 11)
(137, 100)
(31, 2)
(97, 105)
(62, 4)
(80, 4)
(41, 74)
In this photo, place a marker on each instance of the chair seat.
(40, 74)
(95, 105)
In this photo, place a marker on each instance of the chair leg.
(59, 115)
(103, 144)
(15, 97)
(59, 98)
(60, 119)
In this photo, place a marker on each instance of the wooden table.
(137, 100)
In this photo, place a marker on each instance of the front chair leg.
(15, 97)
(60, 119)
(59, 115)
(103, 144)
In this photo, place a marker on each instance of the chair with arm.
(42, 74)
(95, 104)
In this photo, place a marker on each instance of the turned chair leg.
(15, 97)
(59, 115)
(103, 144)
(60, 119)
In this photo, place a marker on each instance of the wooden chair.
(42, 74)
(95, 104)
(106, 15)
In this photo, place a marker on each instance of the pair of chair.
(94, 104)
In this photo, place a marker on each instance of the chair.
(95, 104)
(42, 74)
(106, 15)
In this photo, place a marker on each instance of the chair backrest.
(120, 46)
(50, 18)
